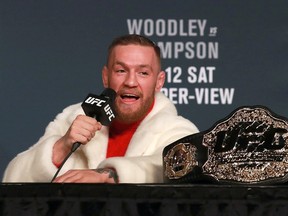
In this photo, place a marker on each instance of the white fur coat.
(142, 162)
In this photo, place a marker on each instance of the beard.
(129, 114)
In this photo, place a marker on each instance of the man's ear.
(160, 80)
(105, 76)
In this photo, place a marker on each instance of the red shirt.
(120, 136)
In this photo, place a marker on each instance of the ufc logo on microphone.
(98, 102)
(109, 112)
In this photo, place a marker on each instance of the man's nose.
(131, 79)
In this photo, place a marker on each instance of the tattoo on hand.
(112, 173)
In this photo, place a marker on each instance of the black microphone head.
(110, 93)
(101, 107)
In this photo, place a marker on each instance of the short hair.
(136, 40)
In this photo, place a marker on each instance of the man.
(130, 150)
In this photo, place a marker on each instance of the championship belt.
(250, 146)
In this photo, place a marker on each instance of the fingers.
(83, 129)
(83, 176)
(72, 176)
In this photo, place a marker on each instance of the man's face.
(133, 71)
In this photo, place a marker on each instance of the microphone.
(99, 107)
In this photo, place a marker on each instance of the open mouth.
(129, 97)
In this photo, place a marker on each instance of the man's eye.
(120, 71)
(144, 73)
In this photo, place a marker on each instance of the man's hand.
(102, 175)
(82, 130)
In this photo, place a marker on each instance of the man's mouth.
(129, 97)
